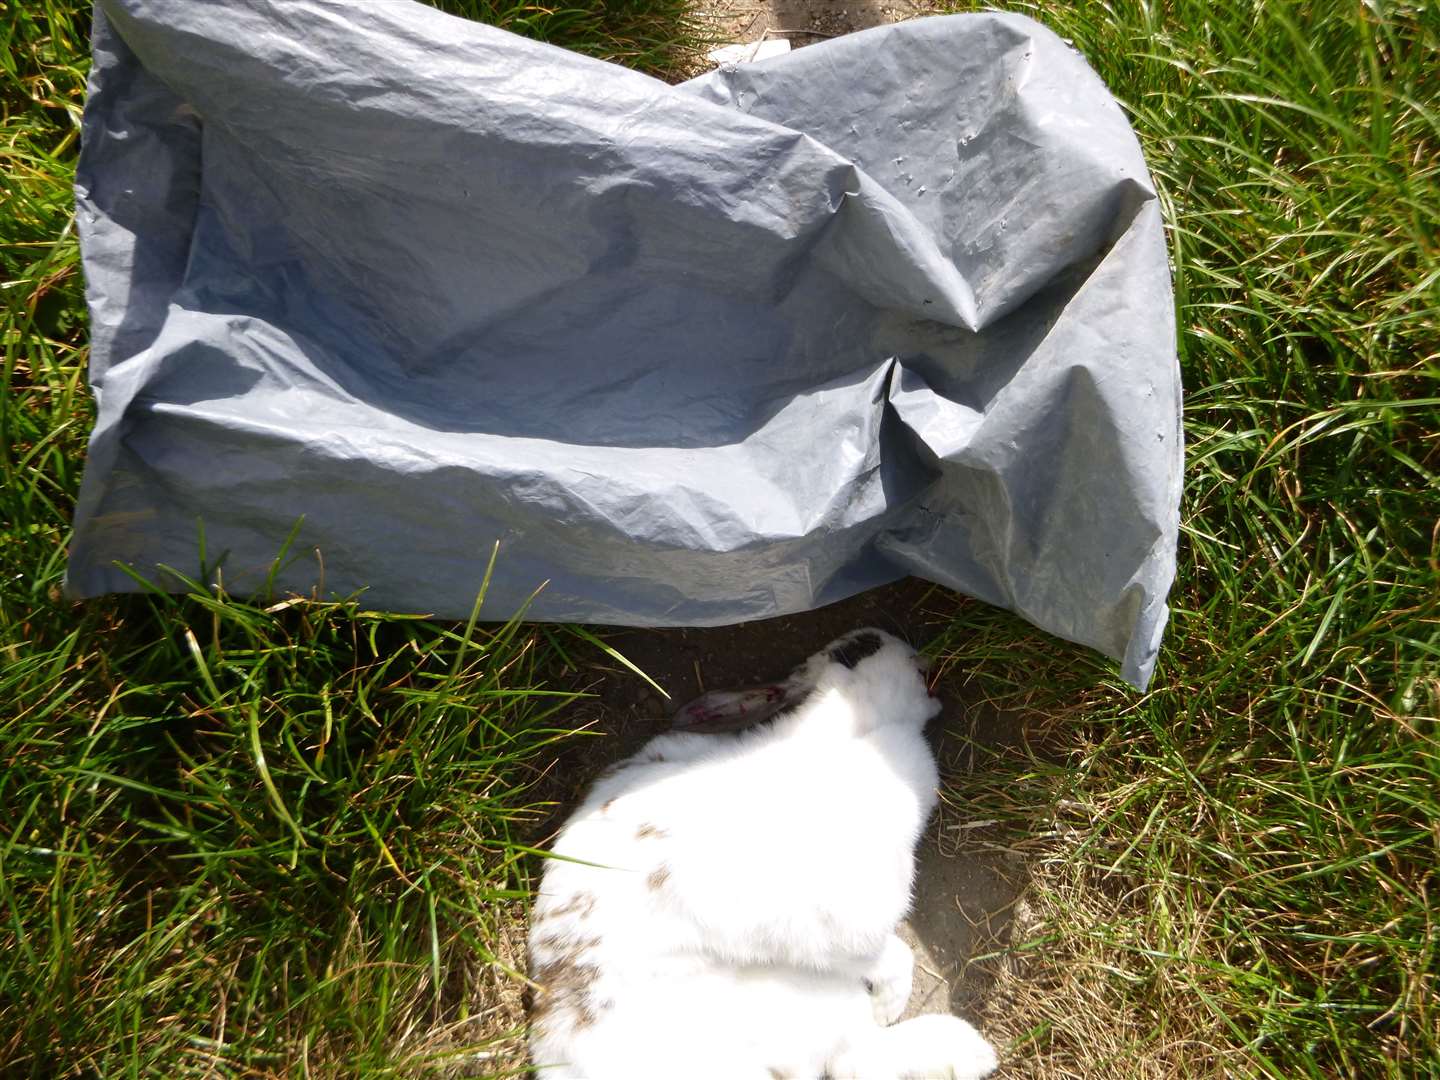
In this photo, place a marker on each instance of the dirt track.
(962, 903)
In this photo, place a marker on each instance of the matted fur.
(723, 907)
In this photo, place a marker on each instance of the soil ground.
(962, 901)
(805, 22)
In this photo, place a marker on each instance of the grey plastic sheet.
(893, 304)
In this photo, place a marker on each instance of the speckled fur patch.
(565, 980)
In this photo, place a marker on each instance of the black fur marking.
(852, 650)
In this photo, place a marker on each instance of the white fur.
(731, 914)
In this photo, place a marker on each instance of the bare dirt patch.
(805, 22)
(963, 900)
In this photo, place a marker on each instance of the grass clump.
(255, 839)
(1236, 873)
(241, 839)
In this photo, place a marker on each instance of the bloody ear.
(734, 710)
(731, 710)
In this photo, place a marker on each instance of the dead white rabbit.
(724, 905)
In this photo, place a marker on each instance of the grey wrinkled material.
(896, 303)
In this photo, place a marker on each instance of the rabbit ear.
(731, 710)
(734, 710)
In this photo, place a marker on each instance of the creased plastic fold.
(893, 304)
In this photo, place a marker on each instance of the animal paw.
(925, 1048)
(890, 980)
(945, 1048)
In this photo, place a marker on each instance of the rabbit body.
(724, 906)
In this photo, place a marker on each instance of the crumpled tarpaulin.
(699, 354)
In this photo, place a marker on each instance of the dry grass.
(1235, 874)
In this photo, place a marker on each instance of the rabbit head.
(882, 675)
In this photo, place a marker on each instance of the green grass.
(240, 839)
(244, 839)
(250, 842)
(1240, 871)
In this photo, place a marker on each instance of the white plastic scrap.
(746, 51)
